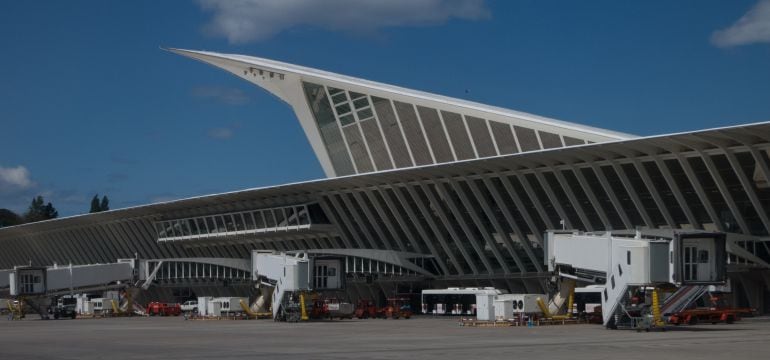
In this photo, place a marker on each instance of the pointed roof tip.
(176, 50)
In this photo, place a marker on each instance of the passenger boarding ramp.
(289, 275)
(37, 286)
(633, 263)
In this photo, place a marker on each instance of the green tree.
(39, 211)
(98, 206)
(105, 205)
(9, 218)
(95, 207)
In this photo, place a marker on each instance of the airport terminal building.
(429, 191)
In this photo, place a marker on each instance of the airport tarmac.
(417, 338)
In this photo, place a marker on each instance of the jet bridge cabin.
(647, 257)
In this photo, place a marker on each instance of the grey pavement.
(417, 338)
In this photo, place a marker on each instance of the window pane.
(249, 221)
(269, 219)
(365, 114)
(361, 103)
(220, 224)
(212, 226)
(347, 119)
(259, 221)
(339, 98)
(343, 109)
(193, 228)
(303, 217)
(201, 225)
(280, 217)
(230, 225)
(239, 222)
(291, 216)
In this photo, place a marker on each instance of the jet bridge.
(629, 262)
(290, 275)
(38, 285)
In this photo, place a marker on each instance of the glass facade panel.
(624, 198)
(571, 212)
(455, 219)
(413, 133)
(342, 109)
(377, 147)
(390, 128)
(665, 192)
(280, 217)
(201, 225)
(328, 128)
(220, 224)
(365, 114)
(550, 140)
(640, 187)
(347, 119)
(481, 138)
(740, 197)
(455, 126)
(539, 196)
(192, 226)
(527, 138)
(358, 149)
(291, 216)
(604, 200)
(248, 221)
(302, 216)
(504, 137)
(570, 141)
(361, 103)
(259, 220)
(317, 216)
(239, 225)
(211, 225)
(759, 184)
(725, 216)
(688, 192)
(450, 242)
(269, 219)
(435, 132)
(584, 203)
(339, 98)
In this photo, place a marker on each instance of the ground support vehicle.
(396, 308)
(163, 309)
(707, 315)
(190, 306)
(365, 309)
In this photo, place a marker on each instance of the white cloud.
(15, 178)
(752, 27)
(242, 21)
(220, 133)
(231, 96)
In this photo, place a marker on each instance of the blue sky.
(90, 104)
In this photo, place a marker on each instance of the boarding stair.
(682, 298)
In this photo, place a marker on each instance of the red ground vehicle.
(397, 307)
(366, 309)
(718, 312)
(163, 309)
(712, 315)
